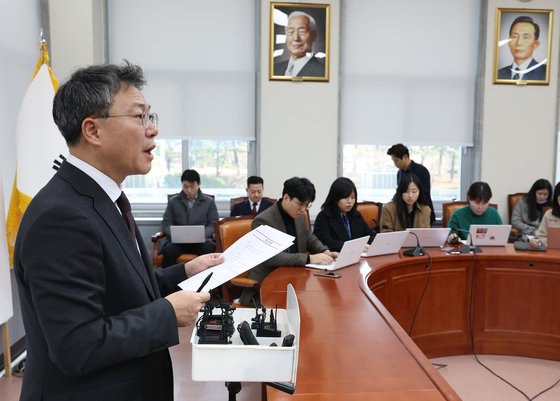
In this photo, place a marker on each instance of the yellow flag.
(38, 144)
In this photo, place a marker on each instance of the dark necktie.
(124, 206)
(254, 211)
(516, 75)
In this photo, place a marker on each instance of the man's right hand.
(186, 305)
(323, 258)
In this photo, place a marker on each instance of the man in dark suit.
(301, 32)
(524, 40)
(188, 207)
(97, 325)
(255, 203)
(288, 216)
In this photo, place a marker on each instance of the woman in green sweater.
(476, 212)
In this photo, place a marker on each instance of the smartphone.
(447, 248)
(327, 274)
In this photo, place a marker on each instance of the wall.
(298, 121)
(518, 122)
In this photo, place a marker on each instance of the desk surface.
(352, 343)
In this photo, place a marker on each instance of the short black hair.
(398, 150)
(300, 188)
(90, 91)
(479, 191)
(254, 179)
(528, 20)
(190, 176)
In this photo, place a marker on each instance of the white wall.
(298, 126)
(519, 122)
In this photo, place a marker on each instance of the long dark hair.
(341, 188)
(402, 209)
(531, 197)
(555, 205)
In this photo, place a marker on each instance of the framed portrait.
(299, 42)
(522, 46)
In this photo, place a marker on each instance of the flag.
(6, 308)
(38, 144)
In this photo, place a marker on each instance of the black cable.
(423, 292)
(474, 350)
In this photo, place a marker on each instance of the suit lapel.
(109, 213)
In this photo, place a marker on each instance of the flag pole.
(7, 352)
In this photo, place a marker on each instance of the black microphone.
(418, 251)
(467, 248)
(246, 334)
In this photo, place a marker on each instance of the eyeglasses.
(145, 117)
(301, 205)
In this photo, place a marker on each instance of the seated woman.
(338, 220)
(476, 212)
(528, 212)
(408, 209)
(550, 219)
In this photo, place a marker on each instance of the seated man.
(255, 204)
(288, 215)
(188, 207)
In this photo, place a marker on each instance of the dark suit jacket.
(538, 74)
(332, 231)
(313, 68)
(245, 207)
(203, 213)
(97, 327)
(306, 241)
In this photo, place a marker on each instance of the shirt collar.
(107, 184)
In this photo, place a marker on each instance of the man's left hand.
(202, 263)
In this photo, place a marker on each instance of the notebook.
(349, 254)
(386, 243)
(489, 234)
(187, 234)
(553, 235)
(428, 237)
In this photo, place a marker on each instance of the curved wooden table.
(353, 345)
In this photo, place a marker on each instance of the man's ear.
(90, 131)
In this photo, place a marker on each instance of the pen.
(205, 282)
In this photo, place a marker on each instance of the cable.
(474, 350)
(423, 292)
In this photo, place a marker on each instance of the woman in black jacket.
(338, 220)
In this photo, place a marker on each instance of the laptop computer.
(553, 241)
(349, 254)
(187, 234)
(386, 243)
(489, 234)
(428, 237)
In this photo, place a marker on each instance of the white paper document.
(253, 248)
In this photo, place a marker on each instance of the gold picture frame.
(299, 42)
(522, 43)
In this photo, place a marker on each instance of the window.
(375, 175)
(222, 165)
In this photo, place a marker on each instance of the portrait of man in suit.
(255, 202)
(527, 59)
(298, 43)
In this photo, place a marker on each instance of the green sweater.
(464, 217)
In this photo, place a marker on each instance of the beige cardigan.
(389, 218)
(548, 220)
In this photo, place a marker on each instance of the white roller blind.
(408, 71)
(199, 60)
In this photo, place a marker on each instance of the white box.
(237, 362)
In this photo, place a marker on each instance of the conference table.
(355, 342)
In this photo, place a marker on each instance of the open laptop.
(489, 234)
(386, 243)
(187, 234)
(428, 237)
(553, 241)
(349, 254)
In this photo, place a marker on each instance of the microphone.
(418, 251)
(467, 248)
